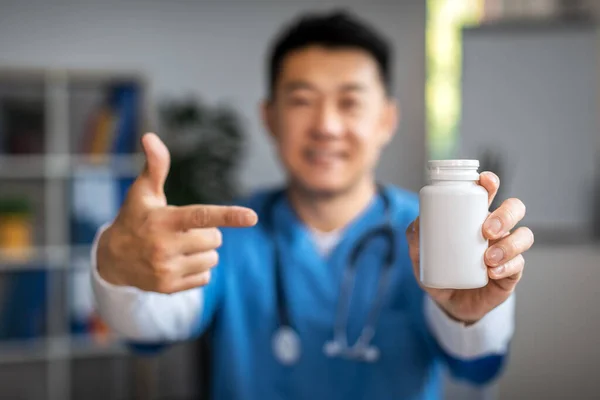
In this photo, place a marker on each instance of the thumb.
(156, 168)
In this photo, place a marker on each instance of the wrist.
(466, 321)
(105, 260)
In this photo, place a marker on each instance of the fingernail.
(250, 218)
(498, 270)
(492, 176)
(493, 226)
(495, 254)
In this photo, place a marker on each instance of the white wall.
(531, 96)
(215, 50)
(556, 347)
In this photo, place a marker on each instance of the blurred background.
(512, 83)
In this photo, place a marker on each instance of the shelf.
(532, 25)
(44, 258)
(119, 165)
(23, 167)
(56, 348)
(49, 257)
(80, 251)
(17, 351)
(59, 166)
(98, 75)
(85, 347)
(69, 191)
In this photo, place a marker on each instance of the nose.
(329, 122)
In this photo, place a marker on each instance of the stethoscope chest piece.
(286, 342)
(359, 352)
(286, 345)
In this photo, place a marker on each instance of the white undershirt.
(326, 241)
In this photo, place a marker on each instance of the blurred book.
(97, 192)
(23, 307)
(96, 196)
(113, 127)
(22, 126)
(22, 293)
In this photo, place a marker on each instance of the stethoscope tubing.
(361, 349)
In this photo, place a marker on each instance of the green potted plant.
(16, 227)
(206, 145)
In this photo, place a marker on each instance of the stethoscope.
(286, 342)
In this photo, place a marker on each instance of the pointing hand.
(157, 247)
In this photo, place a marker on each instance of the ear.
(268, 116)
(390, 120)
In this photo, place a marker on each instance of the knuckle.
(515, 202)
(218, 238)
(508, 214)
(153, 222)
(522, 267)
(516, 277)
(164, 280)
(516, 264)
(528, 233)
(200, 216)
(212, 258)
(522, 239)
(495, 177)
(165, 286)
(522, 206)
(512, 248)
(204, 278)
(514, 268)
(157, 251)
(161, 270)
(228, 217)
(516, 205)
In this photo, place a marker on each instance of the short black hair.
(336, 29)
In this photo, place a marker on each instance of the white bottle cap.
(462, 170)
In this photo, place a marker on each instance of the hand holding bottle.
(501, 258)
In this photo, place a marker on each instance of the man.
(271, 274)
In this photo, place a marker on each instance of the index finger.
(491, 183)
(412, 230)
(504, 218)
(412, 235)
(212, 216)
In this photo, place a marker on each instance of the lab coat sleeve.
(142, 317)
(474, 353)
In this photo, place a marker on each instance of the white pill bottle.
(453, 208)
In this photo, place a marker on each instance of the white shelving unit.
(67, 96)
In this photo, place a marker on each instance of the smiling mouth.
(324, 156)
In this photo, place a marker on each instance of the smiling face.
(330, 117)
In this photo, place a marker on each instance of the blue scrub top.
(240, 305)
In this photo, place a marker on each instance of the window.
(445, 20)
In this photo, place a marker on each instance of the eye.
(299, 101)
(350, 104)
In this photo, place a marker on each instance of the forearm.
(142, 316)
(476, 351)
